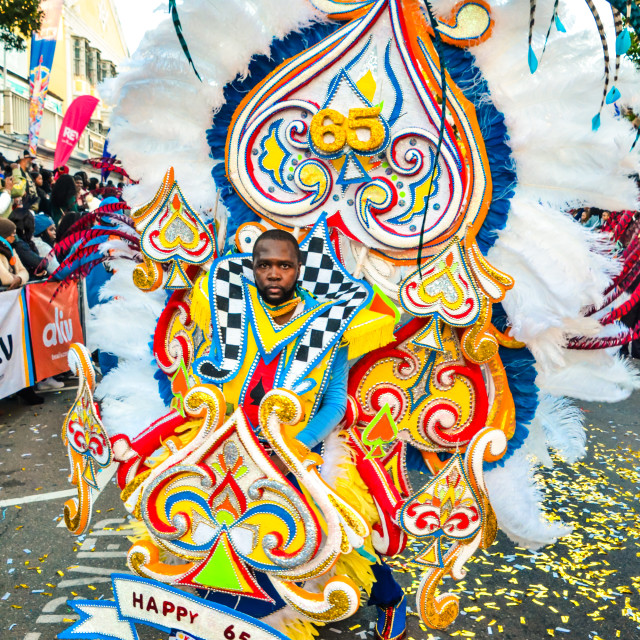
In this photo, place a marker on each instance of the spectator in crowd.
(68, 220)
(6, 201)
(94, 184)
(82, 186)
(591, 217)
(47, 181)
(44, 201)
(44, 237)
(12, 273)
(111, 192)
(24, 246)
(64, 197)
(21, 172)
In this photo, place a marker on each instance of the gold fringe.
(184, 434)
(368, 331)
(301, 629)
(351, 488)
(200, 308)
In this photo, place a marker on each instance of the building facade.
(89, 48)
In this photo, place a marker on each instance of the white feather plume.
(123, 325)
(515, 497)
(162, 111)
(563, 425)
(559, 267)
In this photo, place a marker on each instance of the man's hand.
(8, 184)
(16, 284)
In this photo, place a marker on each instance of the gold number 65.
(345, 130)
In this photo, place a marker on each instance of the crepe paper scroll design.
(438, 398)
(220, 505)
(453, 512)
(350, 128)
(379, 432)
(387, 482)
(479, 342)
(87, 443)
(172, 232)
(173, 340)
(457, 287)
(469, 24)
(442, 289)
(345, 531)
(148, 275)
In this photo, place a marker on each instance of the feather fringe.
(516, 497)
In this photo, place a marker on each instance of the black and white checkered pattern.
(228, 314)
(322, 275)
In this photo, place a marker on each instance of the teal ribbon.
(173, 9)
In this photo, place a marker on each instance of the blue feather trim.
(521, 374)
(234, 93)
(461, 68)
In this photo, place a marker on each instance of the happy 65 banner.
(147, 602)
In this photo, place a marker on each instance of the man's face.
(25, 163)
(276, 270)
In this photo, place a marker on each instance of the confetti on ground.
(589, 579)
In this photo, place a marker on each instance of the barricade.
(35, 333)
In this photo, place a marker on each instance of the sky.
(137, 17)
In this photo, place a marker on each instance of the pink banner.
(73, 124)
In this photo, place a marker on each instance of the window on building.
(87, 61)
(79, 60)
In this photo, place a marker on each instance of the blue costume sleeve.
(332, 406)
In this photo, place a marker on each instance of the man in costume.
(276, 269)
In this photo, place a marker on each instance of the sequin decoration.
(87, 442)
(370, 95)
(172, 232)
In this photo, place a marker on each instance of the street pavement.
(585, 587)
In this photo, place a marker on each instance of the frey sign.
(73, 124)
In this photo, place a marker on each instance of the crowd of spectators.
(37, 209)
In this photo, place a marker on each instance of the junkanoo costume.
(413, 153)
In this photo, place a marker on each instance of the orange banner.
(54, 325)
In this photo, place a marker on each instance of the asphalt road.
(585, 587)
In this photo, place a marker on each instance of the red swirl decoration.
(432, 426)
(166, 360)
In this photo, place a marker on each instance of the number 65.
(344, 130)
(229, 634)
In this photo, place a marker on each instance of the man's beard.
(285, 296)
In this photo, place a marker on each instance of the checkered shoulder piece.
(322, 275)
